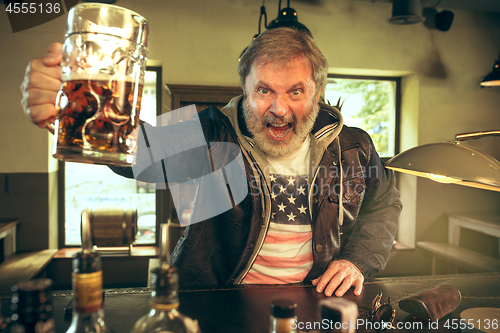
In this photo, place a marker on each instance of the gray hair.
(279, 46)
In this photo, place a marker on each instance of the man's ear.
(319, 95)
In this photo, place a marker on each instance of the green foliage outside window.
(367, 104)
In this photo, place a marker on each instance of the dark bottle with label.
(32, 306)
(88, 312)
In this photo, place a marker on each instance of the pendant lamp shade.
(451, 164)
(493, 78)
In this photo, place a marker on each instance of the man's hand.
(340, 276)
(40, 86)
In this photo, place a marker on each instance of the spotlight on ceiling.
(406, 12)
(440, 20)
(287, 17)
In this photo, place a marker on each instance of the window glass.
(369, 104)
(89, 186)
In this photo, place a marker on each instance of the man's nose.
(279, 107)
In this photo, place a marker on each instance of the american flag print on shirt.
(286, 255)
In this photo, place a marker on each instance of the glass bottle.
(5, 321)
(32, 305)
(283, 316)
(163, 316)
(88, 312)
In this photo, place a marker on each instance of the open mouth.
(279, 131)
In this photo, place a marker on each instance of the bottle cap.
(283, 308)
(165, 285)
(86, 263)
(330, 314)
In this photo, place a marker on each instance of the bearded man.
(321, 208)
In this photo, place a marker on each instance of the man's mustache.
(273, 119)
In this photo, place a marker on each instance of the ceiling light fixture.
(451, 163)
(287, 17)
(406, 12)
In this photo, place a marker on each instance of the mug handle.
(48, 124)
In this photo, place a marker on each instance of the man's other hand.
(40, 87)
(339, 277)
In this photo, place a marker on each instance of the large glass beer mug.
(103, 65)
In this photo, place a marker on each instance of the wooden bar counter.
(245, 309)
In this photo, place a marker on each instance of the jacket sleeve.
(144, 167)
(368, 244)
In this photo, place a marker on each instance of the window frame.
(397, 81)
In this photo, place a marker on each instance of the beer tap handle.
(86, 233)
(164, 245)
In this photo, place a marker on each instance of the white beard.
(279, 148)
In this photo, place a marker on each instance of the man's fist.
(40, 87)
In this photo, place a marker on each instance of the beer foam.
(95, 77)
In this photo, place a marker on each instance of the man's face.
(280, 106)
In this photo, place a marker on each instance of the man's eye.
(264, 91)
(296, 92)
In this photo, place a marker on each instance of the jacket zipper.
(266, 216)
(311, 185)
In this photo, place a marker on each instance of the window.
(370, 103)
(88, 186)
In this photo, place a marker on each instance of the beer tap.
(86, 236)
(164, 245)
